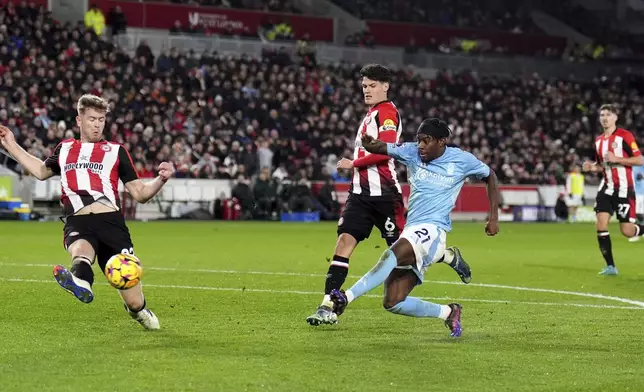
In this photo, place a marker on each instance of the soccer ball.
(123, 271)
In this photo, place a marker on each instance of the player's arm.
(492, 187)
(592, 166)
(387, 133)
(376, 147)
(634, 156)
(139, 190)
(476, 168)
(39, 169)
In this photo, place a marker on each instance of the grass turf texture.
(235, 330)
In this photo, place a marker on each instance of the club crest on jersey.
(614, 145)
(450, 169)
(106, 148)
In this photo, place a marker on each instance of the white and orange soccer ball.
(123, 271)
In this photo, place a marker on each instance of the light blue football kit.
(434, 189)
(639, 189)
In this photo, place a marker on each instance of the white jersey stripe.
(82, 176)
(108, 165)
(356, 182)
(74, 199)
(621, 170)
(609, 173)
(375, 189)
(392, 169)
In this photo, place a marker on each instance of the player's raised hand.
(346, 164)
(166, 170)
(368, 141)
(587, 166)
(610, 157)
(492, 227)
(6, 136)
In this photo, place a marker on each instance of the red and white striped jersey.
(375, 175)
(618, 179)
(90, 171)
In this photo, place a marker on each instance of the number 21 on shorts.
(423, 235)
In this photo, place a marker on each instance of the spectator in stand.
(189, 105)
(95, 20)
(300, 196)
(244, 195)
(117, 21)
(265, 193)
(328, 200)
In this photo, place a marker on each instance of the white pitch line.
(487, 285)
(297, 292)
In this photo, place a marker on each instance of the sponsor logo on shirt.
(388, 125)
(94, 167)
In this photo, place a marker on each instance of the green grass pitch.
(232, 299)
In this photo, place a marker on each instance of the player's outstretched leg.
(454, 259)
(335, 277)
(416, 307)
(79, 279)
(399, 285)
(376, 276)
(135, 305)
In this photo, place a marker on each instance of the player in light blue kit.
(436, 174)
(638, 182)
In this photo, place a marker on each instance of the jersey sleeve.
(475, 168)
(127, 172)
(630, 146)
(388, 122)
(403, 153)
(52, 161)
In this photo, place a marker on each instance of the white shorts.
(428, 242)
(573, 200)
(639, 204)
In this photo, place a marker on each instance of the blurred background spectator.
(278, 121)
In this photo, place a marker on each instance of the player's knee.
(391, 305)
(404, 252)
(627, 230)
(81, 248)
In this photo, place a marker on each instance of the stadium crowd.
(221, 116)
(491, 15)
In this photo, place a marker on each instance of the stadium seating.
(492, 15)
(178, 106)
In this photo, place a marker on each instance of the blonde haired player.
(90, 169)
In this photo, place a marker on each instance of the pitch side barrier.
(519, 202)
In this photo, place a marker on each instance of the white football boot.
(146, 318)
